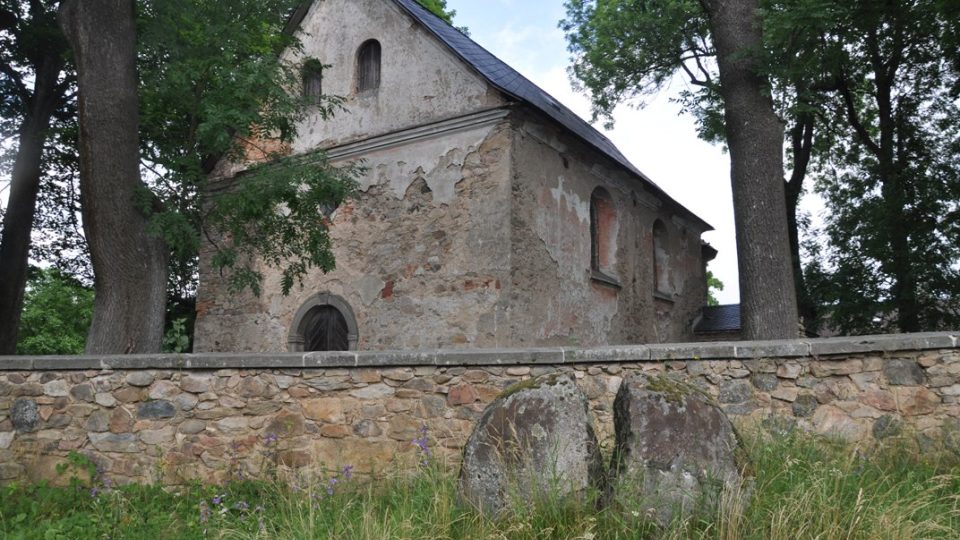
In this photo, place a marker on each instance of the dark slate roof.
(719, 319)
(515, 85)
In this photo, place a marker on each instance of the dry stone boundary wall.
(176, 418)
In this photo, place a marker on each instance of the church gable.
(392, 73)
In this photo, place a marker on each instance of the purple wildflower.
(422, 442)
(332, 482)
(348, 473)
(270, 439)
(217, 500)
(93, 492)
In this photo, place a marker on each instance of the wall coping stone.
(738, 350)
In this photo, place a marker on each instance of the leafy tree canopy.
(56, 314)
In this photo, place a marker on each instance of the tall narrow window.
(312, 80)
(368, 66)
(603, 231)
(661, 259)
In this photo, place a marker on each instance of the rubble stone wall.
(174, 418)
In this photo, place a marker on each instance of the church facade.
(489, 215)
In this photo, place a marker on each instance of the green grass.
(802, 488)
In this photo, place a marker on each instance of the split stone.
(335, 431)
(196, 384)
(765, 381)
(140, 378)
(82, 392)
(252, 387)
(285, 425)
(735, 392)
(327, 410)
(121, 421)
(157, 436)
(262, 408)
(113, 442)
(676, 450)
(186, 402)
(163, 390)
(129, 394)
(6, 439)
(886, 426)
(827, 368)
(902, 371)
(518, 371)
(536, 439)
(401, 375)
(805, 405)
(375, 391)
(788, 394)
(192, 427)
(56, 388)
(789, 370)
(105, 400)
(98, 422)
(58, 421)
(367, 428)
(25, 414)
(461, 394)
(156, 409)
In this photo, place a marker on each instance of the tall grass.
(802, 487)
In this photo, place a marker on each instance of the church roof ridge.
(511, 82)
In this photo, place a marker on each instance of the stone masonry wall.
(174, 418)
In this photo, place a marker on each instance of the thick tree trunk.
(755, 137)
(129, 263)
(24, 185)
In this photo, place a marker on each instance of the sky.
(656, 138)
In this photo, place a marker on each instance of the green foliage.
(625, 49)
(57, 312)
(714, 285)
(176, 339)
(279, 213)
(803, 487)
(439, 8)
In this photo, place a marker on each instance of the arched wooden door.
(325, 329)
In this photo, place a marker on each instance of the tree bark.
(801, 136)
(755, 138)
(129, 263)
(21, 206)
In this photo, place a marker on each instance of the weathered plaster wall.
(422, 254)
(420, 80)
(176, 418)
(554, 299)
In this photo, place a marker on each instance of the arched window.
(603, 225)
(312, 73)
(368, 66)
(325, 322)
(661, 259)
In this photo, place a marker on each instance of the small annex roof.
(513, 84)
(717, 319)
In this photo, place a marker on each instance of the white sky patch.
(657, 139)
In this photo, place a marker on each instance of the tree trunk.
(129, 263)
(24, 185)
(755, 137)
(802, 144)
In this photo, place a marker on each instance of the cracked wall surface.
(420, 81)
(422, 254)
(554, 298)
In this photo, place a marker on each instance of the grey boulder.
(534, 441)
(675, 452)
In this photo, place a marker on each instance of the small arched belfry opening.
(368, 66)
(312, 74)
(661, 259)
(603, 230)
(325, 322)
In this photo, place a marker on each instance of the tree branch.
(854, 118)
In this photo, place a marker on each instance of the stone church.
(490, 215)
